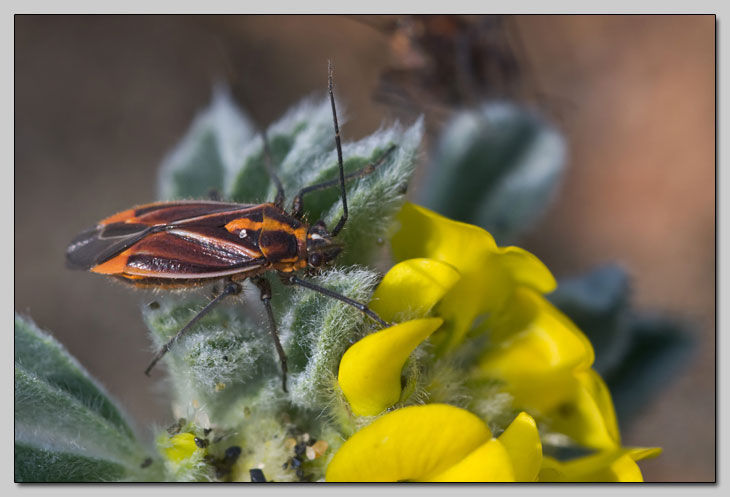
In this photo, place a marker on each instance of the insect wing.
(98, 244)
(170, 240)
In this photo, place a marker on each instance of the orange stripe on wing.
(243, 223)
(120, 217)
(115, 266)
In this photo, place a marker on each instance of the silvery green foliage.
(227, 356)
(497, 166)
(320, 329)
(207, 156)
(66, 426)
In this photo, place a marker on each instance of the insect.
(181, 244)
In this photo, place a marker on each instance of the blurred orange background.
(99, 100)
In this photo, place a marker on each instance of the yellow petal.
(488, 463)
(180, 447)
(423, 233)
(639, 453)
(607, 466)
(589, 417)
(623, 469)
(488, 274)
(411, 288)
(515, 456)
(412, 443)
(370, 370)
(526, 269)
(474, 295)
(540, 355)
(522, 442)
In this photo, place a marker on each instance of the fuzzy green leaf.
(375, 199)
(227, 356)
(304, 133)
(40, 354)
(38, 465)
(314, 137)
(660, 349)
(209, 154)
(63, 416)
(318, 330)
(496, 167)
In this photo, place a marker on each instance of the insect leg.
(294, 280)
(279, 199)
(265, 288)
(298, 207)
(232, 288)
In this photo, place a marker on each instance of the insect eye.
(316, 260)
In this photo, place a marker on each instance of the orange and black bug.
(186, 243)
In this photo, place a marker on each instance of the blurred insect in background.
(181, 244)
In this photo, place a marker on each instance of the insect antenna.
(232, 288)
(342, 220)
(297, 209)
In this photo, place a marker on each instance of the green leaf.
(660, 349)
(210, 153)
(228, 355)
(295, 141)
(318, 329)
(374, 200)
(41, 355)
(35, 464)
(312, 128)
(496, 167)
(62, 416)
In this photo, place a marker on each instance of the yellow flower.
(456, 272)
(542, 359)
(438, 442)
(545, 364)
(489, 274)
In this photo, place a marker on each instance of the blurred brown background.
(100, 100)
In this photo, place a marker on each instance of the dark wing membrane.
(103, 242)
